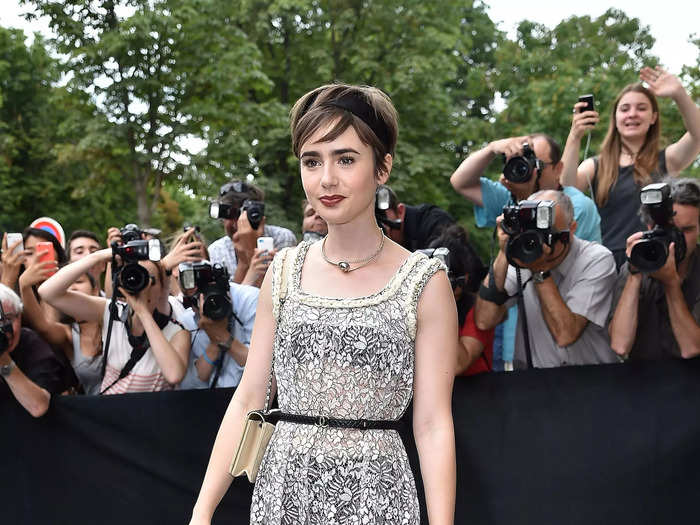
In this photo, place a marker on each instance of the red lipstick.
(331, 200)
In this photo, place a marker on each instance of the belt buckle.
(322, 422)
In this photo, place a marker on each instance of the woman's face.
(83, 285)
(339, 176)
(634, 115)
(30, 245)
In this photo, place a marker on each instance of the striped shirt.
(146, 376)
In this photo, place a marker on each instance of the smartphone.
(588, 99)
(266, 243)
(46, 252)
(13, 238)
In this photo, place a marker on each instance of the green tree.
(159, 72)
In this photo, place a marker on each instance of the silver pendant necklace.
(345, 265)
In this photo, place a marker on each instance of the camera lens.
(216, 305)
(517, 170)
(133, 278)
(648, 255)
(525, 247)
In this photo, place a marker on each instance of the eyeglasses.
(237, 187)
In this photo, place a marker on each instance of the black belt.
(332, 422)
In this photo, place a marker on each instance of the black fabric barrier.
(604, 444)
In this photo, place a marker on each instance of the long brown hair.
(609, 160)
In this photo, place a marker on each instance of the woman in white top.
(144, 323)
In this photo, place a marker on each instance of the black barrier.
(605, 444)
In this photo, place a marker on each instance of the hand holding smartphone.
(266, 244)
(590, 105)
(12, 238)
(46, 252)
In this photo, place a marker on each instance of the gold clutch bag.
(251, 449)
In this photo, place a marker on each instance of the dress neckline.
(390, 287)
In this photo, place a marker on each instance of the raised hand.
(187, 249)
(661, 83)
(37, 273)
(582, 122)
(11, 262)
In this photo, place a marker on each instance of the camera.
(6, 331)
(651, 252)
(255, 210)
(212, 281)
(382, 202)
(530, 225)
(130, 275)
(519, 169)
(131, 232)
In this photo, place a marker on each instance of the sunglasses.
(237, 187)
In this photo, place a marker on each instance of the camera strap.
(139, 345)
(523, 315)
(220, 362)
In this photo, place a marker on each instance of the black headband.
(356, 105)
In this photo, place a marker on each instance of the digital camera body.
(212, 281)
(131, 232)
(129, 274)
(255, 211)
(651, 252)
(530, 225)
(520, 169)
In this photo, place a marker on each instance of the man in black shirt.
(657, 315)
(30, 370)
(413, 227)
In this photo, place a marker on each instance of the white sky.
(671, 22)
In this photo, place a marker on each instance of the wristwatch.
(6, 370)
(225, 345)
(539, 277)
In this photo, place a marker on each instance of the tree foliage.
(138, 110)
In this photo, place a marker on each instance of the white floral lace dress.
(343, 358)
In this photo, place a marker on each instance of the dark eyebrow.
(335, 152)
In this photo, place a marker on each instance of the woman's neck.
(353, 240)
(631, 147)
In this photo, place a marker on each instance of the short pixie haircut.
(314, 110)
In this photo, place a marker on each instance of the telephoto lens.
(133, 278)
(519, 169)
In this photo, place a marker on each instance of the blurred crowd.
(573, 279)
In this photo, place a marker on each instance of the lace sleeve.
(424, 270)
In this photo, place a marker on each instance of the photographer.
(30, 371)
(525, 171)
(413, 227)
(147, 351)
(220, 314)
(657, 313)
(241, 209)
(532, 163)
(567, 283)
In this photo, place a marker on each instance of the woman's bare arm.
(436, 359)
